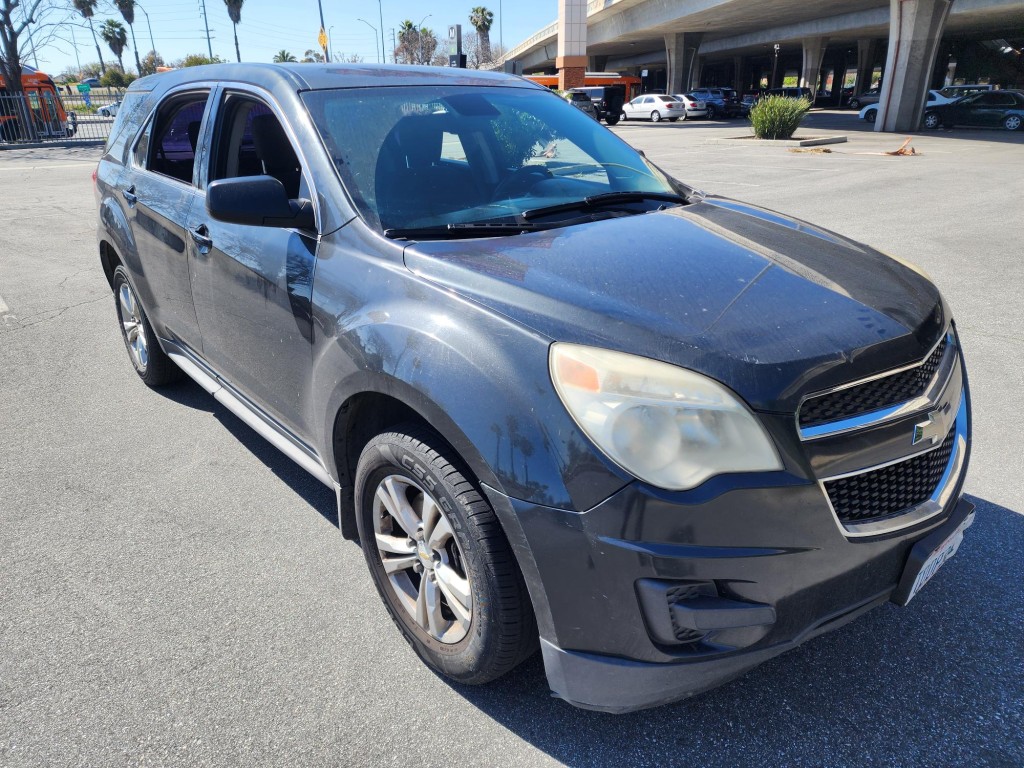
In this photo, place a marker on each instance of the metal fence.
(41, 116)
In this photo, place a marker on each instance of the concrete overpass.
(743, 43)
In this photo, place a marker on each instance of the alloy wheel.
(1012, 123)
(422, 559)
(132, 326)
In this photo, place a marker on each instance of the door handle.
(129, 195)
(201, 237)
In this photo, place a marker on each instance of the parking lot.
(175, 591)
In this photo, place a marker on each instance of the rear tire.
(1012, 122)
(439, 558)
(153, 366)
(672, 119)
(611, 119)
(711, 112)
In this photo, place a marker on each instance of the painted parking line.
(46, 167)
(5, 313)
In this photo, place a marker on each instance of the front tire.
(712, 112)
(871, 115)
(931, 121)
(153, 366)
(655, 116)
(439, 558)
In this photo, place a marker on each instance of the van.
(42, 105)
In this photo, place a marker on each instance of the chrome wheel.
(132, 326)
(422, 559)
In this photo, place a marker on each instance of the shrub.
(778, 117)
(114, 78)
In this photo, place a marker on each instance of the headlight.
(667, 426)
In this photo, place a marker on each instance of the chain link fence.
(39, 116)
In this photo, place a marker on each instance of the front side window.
(399, 152)
(172, 144)
(249, 141)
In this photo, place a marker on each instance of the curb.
(810, 141)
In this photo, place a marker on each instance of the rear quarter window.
(131, 114)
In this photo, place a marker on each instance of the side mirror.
(259, 201)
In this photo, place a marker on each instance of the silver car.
(694, 107)
(654, 107)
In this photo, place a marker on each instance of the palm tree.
(114, 35)
(235, 13)
(482, 19)
(127, 9)
(283, 57)
(88, 9)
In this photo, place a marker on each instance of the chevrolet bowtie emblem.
(929, 430)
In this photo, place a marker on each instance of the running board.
(259, 423)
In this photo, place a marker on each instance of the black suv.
(721, 102)
(608, 99)
(563, 399)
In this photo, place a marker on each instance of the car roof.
(303, 77)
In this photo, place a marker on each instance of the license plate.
(919, 573)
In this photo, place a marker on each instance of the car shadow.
(936, 683)
(315, 493)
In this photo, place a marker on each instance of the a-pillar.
(915, 31)
(572, 44)
(814, 50)
(867, 51)
(681, 50)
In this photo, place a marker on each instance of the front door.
(253, 285)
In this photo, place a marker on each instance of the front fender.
(479, 379)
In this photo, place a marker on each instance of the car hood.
(770, 306)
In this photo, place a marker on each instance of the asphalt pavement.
(173, 591)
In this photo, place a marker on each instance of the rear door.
(253, 285)
(158, 190)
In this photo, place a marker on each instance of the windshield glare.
(429, 156)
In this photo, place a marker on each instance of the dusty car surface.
(564, 400)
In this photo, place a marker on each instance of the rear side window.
(175, 135)
(129, 116)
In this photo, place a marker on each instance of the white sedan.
(694, 107)
(654, 107)
(109, 110)
(870, 112)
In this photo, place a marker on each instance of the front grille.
(890, 490)
(872, 395)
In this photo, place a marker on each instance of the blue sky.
(269, 25)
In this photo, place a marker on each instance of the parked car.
(109, 110)
(791, 93)
(868, 97)
(608, 100)
(562, 398)
(694, 106)
(933, 98)
(582, 102)
(654, 107)
(992, 109)
(957, 91)
(721, 102)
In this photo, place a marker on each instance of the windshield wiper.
(453, 231)
(606, 198)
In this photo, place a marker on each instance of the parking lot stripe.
(46, 167)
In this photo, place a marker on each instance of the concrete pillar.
(597, 63)
(867, 51)
(697, 63)
(681, 58)
(572, 43)
(778, 73)
(741, 74)
(915, 31)
(814, 51)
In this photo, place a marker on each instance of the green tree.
(150, 62)
(482, 19)
(283, 57)
(88, 9)
(114, 35)
(127, 9)
(235, 14)
(312, 56)
(197, 60)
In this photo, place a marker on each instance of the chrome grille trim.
(895, 411)
(933, 506)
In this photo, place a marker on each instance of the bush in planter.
(778, 117)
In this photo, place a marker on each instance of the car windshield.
(449, 155)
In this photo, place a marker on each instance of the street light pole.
(330, 38)
(383, 51)
(151, 41)
(374, 36)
